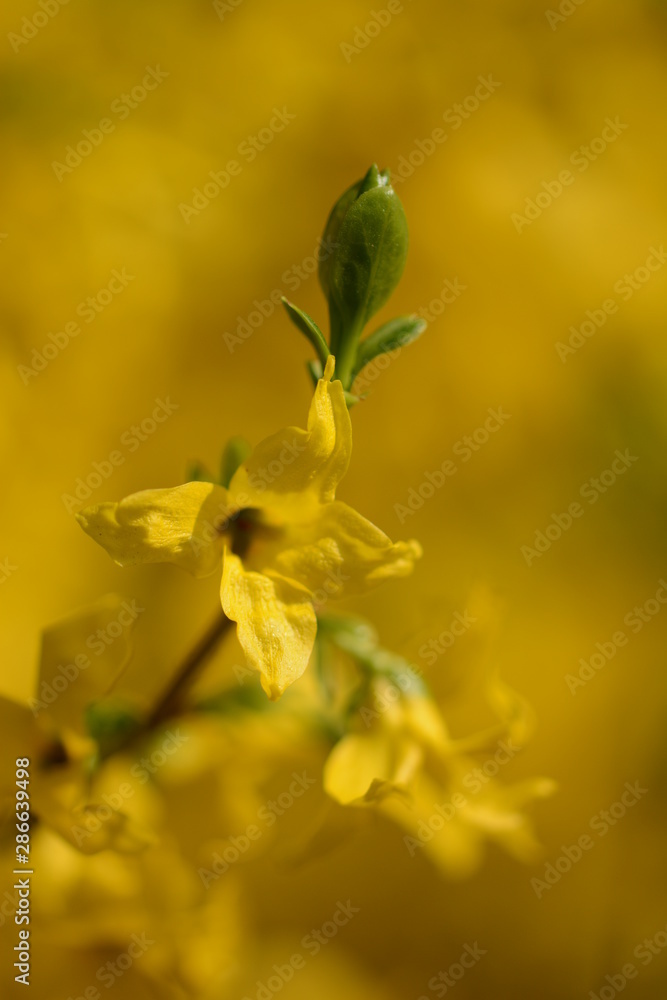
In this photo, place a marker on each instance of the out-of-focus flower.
(188, 940)
(77, 669)
(286, 543)
(397, 757)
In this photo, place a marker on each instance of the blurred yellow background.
(172, 286)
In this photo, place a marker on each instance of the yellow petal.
(276, 623)
(340, 552)
(424, 722)
(360, 760)
(181, 525)
(303, 465)
(455, 849)
(435, 827)
(81, 658)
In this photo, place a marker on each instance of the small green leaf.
(197, 472)
(307, 325)
(236, 451)
(389, 337)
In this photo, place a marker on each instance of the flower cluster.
(328, 728)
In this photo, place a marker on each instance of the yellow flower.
(398, 759)
(286, 544)
(76, 670)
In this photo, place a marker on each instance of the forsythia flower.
(76, 670)
(286, 544)
(398, 758)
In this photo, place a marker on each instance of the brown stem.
(188, 672)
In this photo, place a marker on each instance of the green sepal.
(307, 325)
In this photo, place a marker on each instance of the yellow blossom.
(287, 545)
(397, 758)
(76, 670)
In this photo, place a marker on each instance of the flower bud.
(368, 229)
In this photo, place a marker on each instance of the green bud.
(369, 231)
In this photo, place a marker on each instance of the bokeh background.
(558, 78)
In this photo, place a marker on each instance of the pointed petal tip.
(273, 691)
(416, 550)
